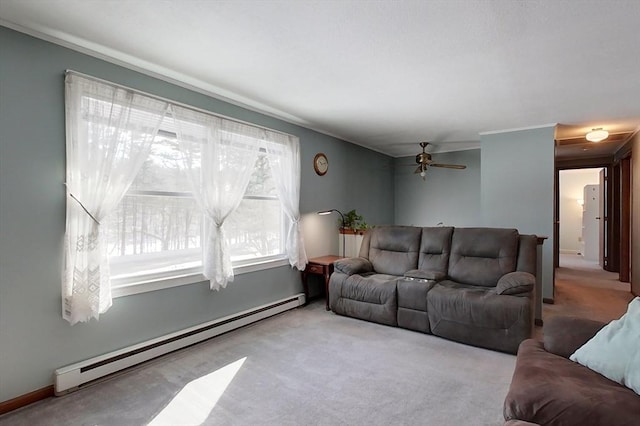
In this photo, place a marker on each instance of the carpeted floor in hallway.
(583, 289)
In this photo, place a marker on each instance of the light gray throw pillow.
(614, 351)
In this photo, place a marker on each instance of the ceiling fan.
(424, 160)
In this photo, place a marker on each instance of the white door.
(591, 223)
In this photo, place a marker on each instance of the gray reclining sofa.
(471, 285)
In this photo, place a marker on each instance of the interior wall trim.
(518, 129)
(624, 151)
(26, 399)
(582, 163)
(84, 373)
(151, 69)
(178, 79)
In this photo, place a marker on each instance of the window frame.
(121, 288)
(143, 283)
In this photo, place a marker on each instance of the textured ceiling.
(382, 74)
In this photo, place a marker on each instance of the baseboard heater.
(72, 377)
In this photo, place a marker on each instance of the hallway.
(583, 289)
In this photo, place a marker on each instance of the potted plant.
(354, 223)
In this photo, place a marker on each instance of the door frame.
(611, 234)
(625, 218)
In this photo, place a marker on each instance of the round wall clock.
(320, 164)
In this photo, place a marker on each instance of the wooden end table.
(319, 266)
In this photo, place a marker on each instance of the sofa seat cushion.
(370, 288)
(551, 390)
(372, 297)
(477, 316)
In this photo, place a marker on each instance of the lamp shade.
(597, 135)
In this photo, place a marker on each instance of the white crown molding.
(518, 129)
(151, 69)
(167, 75)
(182, 80)
(455, 147)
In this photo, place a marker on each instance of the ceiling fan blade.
(449, 166)
(418, 170)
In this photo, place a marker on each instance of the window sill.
(144, 286)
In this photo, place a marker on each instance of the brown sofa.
(549, 389)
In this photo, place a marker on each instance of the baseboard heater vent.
(72, 377)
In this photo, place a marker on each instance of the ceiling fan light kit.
(597, 135)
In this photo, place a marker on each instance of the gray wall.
(507, 183)
(517, 187)
(448, 196)
(34, 339)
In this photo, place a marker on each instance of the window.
(157, 230)
(152, 185)
(255, 230)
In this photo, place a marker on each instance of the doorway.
(587, 282)
(582, 199)
(596, 289)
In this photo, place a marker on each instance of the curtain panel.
(109, 135)
(219, 155)
(110, 131)
(284, 158)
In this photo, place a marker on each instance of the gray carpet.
(303, 367)
(583, 289)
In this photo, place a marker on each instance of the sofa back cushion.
(481, 256)
(528, 254)
(394, 250)
(435, 248)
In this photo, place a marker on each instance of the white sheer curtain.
(220, 155)
(109, 134)
(284, 158)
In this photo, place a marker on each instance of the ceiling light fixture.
(597, 135)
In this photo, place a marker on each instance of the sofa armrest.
(421, 274)
(563, 335)
(516, 283)
(514, 422)
(353, 265)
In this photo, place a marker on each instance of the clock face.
(320, 164)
